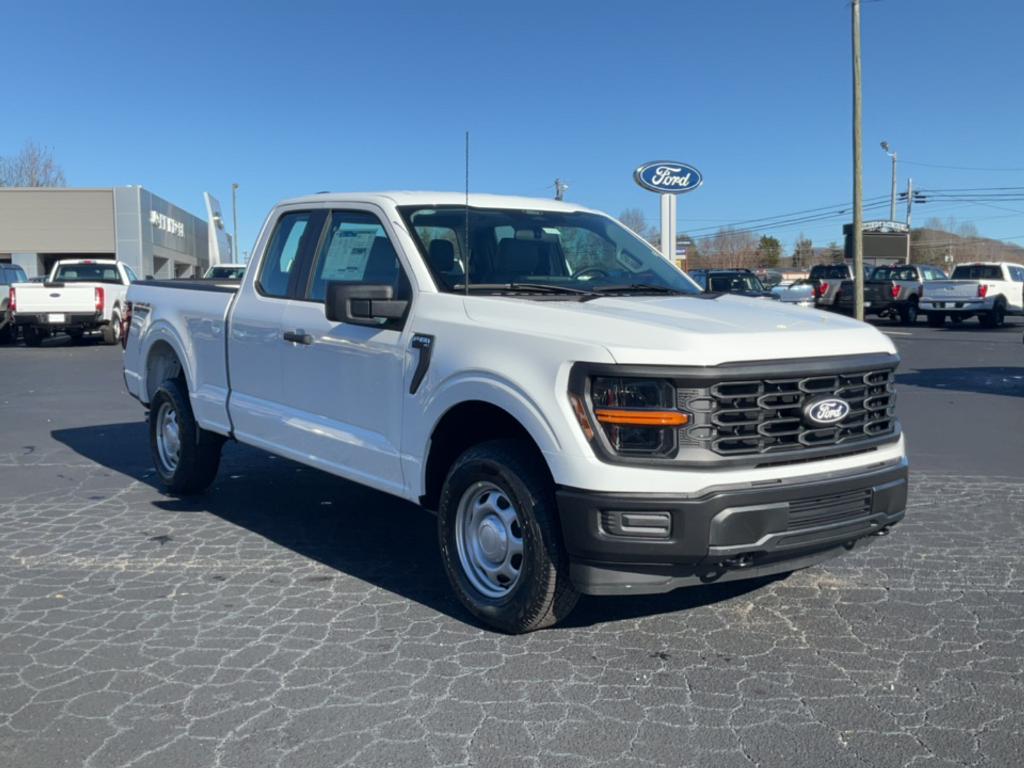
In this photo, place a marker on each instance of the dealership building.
(151, 235)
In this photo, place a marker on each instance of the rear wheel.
(936, 319)
(908, 313)
(186, 455)
(500, 540)
(8, 334)
(995, 318)
(112, 331)
(34, 336)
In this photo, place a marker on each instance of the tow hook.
(740, 561)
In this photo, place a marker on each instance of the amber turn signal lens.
(641, 418)
(581, 416)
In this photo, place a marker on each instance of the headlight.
(637, 417)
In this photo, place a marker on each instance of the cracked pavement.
(288, 618)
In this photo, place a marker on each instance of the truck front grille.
(766, 416)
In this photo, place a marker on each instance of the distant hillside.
(933, 246)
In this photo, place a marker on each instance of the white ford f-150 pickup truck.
(988, 290)
(78, 296)
(581, 417)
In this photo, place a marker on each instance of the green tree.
(769, 251)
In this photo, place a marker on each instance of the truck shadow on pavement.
(985, 381)
(378, 539)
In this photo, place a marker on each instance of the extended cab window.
(357, 250)
(290, 239)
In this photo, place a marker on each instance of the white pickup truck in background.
(78, 296)
(987, 290)
(581, 417)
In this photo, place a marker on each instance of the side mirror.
(360, 304)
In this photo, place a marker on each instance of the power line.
(963, 167)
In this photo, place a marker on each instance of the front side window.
(357, 250)
(573, 251)
(290, 238)
(132, 277)
(1017, 274)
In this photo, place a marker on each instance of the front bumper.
(645, 543)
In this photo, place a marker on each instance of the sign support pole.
(668, 226)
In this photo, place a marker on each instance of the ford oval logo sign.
(826, 412)
(668, 176)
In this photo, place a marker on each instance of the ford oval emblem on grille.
(826, 412)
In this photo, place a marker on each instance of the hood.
(684, 330)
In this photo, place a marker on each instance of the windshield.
(87, 273)
(977, 272)
(735, 282)
(576, 251)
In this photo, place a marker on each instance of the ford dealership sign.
(667, 176)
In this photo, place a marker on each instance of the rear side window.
(87, 273)
(977, 272)
(291, 237)
(357, 250)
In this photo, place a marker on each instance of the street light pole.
(892, 199)
(858, 203)
(234, 223)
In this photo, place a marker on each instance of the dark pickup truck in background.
(890, 291)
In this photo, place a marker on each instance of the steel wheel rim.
(168, 436)
(489, 540)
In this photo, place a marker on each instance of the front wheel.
(186, 455)
(936, 319)
(500, 540)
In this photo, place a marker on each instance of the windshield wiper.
(638, 288)
(536, 287)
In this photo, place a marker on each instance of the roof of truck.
(440, 198)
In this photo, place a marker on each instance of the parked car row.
(77, 297)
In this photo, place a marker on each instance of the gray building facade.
(149, 234)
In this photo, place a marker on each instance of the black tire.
(936, 319)
(111, 332)
(198, 454)
(542, 594)
(908, 313)
(33, 336)
(9, 334)
(995, 318)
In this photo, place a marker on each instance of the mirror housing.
(361, 304)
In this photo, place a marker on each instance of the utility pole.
(560, 187)
(910, 204)
(234, 222)
(858, 202)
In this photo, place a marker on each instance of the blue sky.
(292, 98)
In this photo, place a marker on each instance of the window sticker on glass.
(348, 252)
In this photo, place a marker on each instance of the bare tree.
(33, 166)
(728, 248)
(634, 219)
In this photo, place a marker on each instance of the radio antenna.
(465, 282)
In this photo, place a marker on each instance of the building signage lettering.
(165, 223)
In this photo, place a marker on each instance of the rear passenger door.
(256, 350)
(344, 383)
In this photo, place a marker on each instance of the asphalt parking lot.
(287, 618)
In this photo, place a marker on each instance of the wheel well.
(463, 426)
(162, 364)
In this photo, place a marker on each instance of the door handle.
(298, 337)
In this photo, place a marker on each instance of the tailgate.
(942, 290)
(34, 298)
(878, 291)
